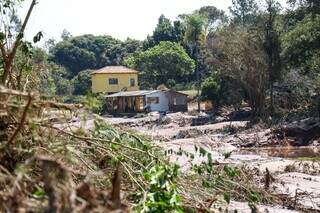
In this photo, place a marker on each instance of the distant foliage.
(91, 52)
(165, 61)
(211, 90)
(244, 12)
(82, 82)
(302, 44)
(165, 31)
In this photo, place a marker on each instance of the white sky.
(118, 18)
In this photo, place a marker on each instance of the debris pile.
(301, 133)
(45, 167)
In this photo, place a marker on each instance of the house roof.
(114, 70)
(141, 93)
(132, 93)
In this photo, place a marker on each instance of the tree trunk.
(198, 88)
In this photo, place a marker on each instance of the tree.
(301, 48)
(65, 35)
(11, 34)
(272, 46)
(211, 90)
(301, 43)
(92, 52)
(308, 6)
(195, 36)
(58, 77)
(119, 52)
(168, 60)
(213, 15)
(82, 82)
(239, 55)
(165, 31)
(244, 11)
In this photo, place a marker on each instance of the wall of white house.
(163, 105)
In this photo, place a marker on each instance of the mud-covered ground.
(296, 170)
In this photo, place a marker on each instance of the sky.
(118, 18)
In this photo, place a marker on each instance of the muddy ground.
(296, 170)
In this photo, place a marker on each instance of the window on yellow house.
(113, 81)
(132, 82)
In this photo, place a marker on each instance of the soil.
(295, 169)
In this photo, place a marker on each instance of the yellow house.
(112, 79)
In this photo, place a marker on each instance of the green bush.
(94, 103)
(211, 90)
(82, 82)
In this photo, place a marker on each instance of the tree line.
(259, 53)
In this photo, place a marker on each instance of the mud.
(250, 147)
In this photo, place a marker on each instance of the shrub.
(82, 82)
(211, 90)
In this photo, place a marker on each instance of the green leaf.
(2, 36)
(39, 194)
(203, 152)
(255, 196)
(227, 155)
(37, 37)
(227, 197)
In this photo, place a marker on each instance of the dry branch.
(22, 120)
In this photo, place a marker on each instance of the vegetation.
(162, 64)
(51, 159)
(91, 52)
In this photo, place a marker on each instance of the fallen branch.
(23, 118)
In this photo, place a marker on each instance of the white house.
(147, 100)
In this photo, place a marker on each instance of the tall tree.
(301, 41)
(165, 31)
(195, 37)
(85, 52)
(213, 16)
(244, 11)
(309, 6)
(163, 63)
(272, 46)
(239, 55)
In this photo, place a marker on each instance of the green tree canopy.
(301, 44)
(244, 11)
(211, 90)
(165, 31)
(168, 60)
(92, 52)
